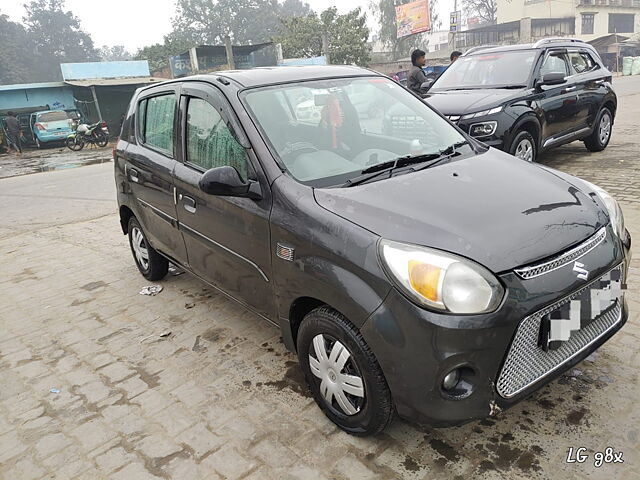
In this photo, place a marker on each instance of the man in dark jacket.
(13, 132)
(417, 76)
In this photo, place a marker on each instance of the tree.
(17, 60)
(207, 22)
(55, 37)
(158, 54)
(485, 10)
(401, 47)
(348, 35)
(114, 54)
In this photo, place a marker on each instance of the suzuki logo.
(582, 272)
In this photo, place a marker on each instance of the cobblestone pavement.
(93, 386)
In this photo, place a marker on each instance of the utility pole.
(325, 47)
(455, 10)
(229, 49)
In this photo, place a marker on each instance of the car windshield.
(490, 70)
(326, 132)
(53, 116)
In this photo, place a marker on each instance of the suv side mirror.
(226, 182)
(553, 78)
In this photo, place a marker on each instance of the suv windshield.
(328, 131)
(53, 116)
(489, 70)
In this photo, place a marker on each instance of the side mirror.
(424, 88)
(553, 78)
(226, 182)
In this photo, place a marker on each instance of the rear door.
(227, 238)
(590, 83)
(149, 165)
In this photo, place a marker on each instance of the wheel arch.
(528, 123)
(125, 215)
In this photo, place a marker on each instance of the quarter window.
(587, 23)
(210, 142)
(155, 122)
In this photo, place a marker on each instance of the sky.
(147, 21)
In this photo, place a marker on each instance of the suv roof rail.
(479, 47)
(544, 41)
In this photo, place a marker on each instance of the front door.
(149, 165)
(227, 238)
(559, 103)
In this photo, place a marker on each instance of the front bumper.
(416, 348)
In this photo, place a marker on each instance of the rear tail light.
(103, 124)
(39, 126)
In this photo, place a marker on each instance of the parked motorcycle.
(96, 134)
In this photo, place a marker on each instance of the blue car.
(50, 126)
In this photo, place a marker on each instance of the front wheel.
(599, 139)
(524, 146)
(344, 376)
(74, 143)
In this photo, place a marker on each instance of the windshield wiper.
(388, 167)
(429, 159)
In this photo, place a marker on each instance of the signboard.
(180, 65)
(454, 22)
(412, 18)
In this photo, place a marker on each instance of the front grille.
(527, 362)
(561, 260)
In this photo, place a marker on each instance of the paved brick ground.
(220, 397)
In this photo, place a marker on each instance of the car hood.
(460, 102)
(492, 208)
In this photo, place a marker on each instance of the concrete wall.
(60, 97)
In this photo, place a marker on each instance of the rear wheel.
(343, 374)
(599, 139)
(101, 139)
(524, 146)
(151, 264)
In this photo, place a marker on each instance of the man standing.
(417, 76)
(13, 133)
(455, 55)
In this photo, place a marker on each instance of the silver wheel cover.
(140, 248)
(524, 150)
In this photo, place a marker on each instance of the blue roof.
(31, 86)
(94, 70)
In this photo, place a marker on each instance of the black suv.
(430, 276)
(525, 99)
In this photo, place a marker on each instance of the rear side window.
(581, 62)
(210, 142)
(155, 122)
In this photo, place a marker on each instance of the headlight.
(613, 208)
(483, 113)
(483, 129)
(440, 280)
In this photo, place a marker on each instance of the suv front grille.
(527, 362)
(561, 260)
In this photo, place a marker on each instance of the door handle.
(133, 174)
(570, 89)
(188, 203)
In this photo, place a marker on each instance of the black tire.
(374, 411)
(598, 140)
(522, 138)
(74, 143)
(156, 266)
(102, 140)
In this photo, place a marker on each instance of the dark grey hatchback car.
(426, 274)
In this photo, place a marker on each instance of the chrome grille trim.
(575, 253)
(526, 362)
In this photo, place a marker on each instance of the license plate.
(59, 134)
(556, 327)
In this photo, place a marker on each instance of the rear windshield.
(492, 69)
(53, 116)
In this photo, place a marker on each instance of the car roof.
(552, 43)
(263, 76)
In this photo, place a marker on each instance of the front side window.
(587, 23)
(155, 122)
(489, 70)
(210, 142)
(555, 62)
(327, 131)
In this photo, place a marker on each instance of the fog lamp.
(451, 379)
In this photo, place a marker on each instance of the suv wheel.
(151, 264)
(524, 146)
(343, 374)
(601, 135)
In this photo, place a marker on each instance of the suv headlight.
(440, 280)
(613, 208)
(483, 129)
